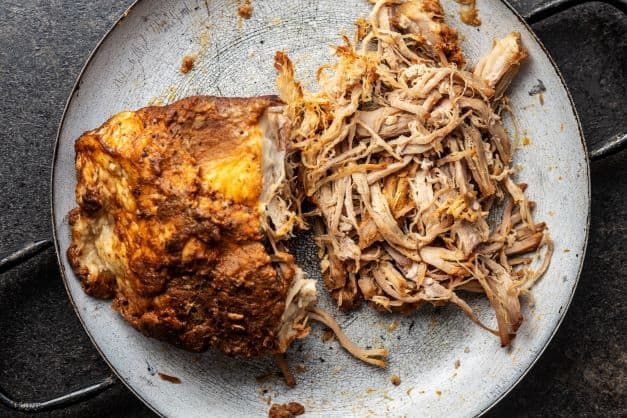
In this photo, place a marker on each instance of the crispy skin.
(168, 224)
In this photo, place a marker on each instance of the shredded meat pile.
(403, 152)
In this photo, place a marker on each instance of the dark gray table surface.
(45, 352)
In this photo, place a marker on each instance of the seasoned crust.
(168, 224)
(426, 17)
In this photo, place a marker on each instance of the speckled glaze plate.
(448, 366)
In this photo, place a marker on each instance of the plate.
(447, 365)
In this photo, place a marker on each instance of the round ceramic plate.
(448, 366)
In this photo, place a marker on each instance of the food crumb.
(370, 391)
(169, 378)
(457, 364)
(566, 250)
(467, 350)
(395, 379)
(393, 325)
(526, 141)
(408, 392)
(541, 97)
(438, 392)
(187, 64)
(204, 37)
(551, 213)
(245, 10)
(468, 12)
(362, 28)
(387, 396)
(562, 127)
(288, 410)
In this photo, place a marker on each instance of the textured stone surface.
(43, 349)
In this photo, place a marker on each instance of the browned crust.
(196, 272)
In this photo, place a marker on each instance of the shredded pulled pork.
(403, 152)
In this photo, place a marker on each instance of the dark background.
(44, 351)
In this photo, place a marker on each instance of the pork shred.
(403, 152)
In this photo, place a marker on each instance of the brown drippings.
(288, 410)
(169, 378)
(468, 12)
(457, 364)
(245, 10)
(187, 64)
(395, 379)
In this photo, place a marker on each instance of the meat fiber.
(403, 151)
